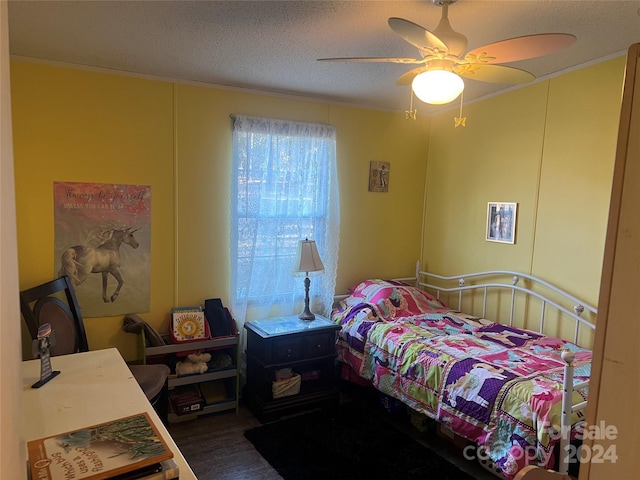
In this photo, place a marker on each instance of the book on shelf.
(214, 391)
(188, 324)
(125, 448)
(195, 308)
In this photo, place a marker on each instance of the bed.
(516, 389)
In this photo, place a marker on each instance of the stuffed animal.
(199, 357)
(190, 368)
(194, 363)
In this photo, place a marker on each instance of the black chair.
(55, 303)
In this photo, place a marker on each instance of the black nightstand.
(307, 348)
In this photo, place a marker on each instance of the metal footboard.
(566, 306)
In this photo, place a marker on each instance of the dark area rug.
(347, 442)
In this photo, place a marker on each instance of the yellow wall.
(87, 126)
(79, 126)
(576, 173)
(550, 147)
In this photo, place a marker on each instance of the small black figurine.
(42, 348)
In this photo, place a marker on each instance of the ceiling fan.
(443, 60)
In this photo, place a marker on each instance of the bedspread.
(496, 385)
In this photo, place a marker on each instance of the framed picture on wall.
(501, 222)
(379, 176)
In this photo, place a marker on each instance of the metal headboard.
(493, 280)
(550, 297)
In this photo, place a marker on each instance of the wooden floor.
(215, 447)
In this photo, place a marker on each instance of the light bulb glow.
(437, 86)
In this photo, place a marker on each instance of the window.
(284, 189)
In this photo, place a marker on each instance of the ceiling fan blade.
(520, 48)
(416, 35)
(374, 59)
(494, 73)
(408, 77)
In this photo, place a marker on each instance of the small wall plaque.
(379, 176)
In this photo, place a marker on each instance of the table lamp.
(307, 260)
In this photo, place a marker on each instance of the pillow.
(394, 299)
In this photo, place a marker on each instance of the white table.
(92, 387)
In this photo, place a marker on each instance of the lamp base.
(307, 316)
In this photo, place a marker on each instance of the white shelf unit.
(227, 343)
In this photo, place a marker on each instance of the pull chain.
(460, 120)
(410, 114)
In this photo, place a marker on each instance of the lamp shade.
(437, 86)
(307, 258)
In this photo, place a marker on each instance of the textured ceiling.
(273, 45)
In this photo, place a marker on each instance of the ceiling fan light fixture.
(437, 87)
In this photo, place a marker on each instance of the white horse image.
(81, 260)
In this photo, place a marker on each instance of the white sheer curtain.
(284, 189)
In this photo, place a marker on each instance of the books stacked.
(127, 448)
(167, 470)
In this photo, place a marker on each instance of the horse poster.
(102, 235)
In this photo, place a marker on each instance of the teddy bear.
(194, 363)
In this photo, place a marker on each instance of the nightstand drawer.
(286, 350)
(321, 344)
